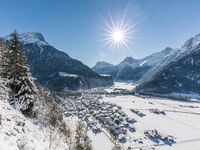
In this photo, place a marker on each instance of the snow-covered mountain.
(137, 69)
(181, 77)
(49, 64)
(102, 64)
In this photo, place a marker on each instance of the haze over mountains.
(55, 69)
(136, 69)
(166, 72)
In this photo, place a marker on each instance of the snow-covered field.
(120, 85)
(181, 121)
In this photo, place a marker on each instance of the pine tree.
(87, 142)
(82, 141)
(3, 59)
(78, 137)
(16, 70)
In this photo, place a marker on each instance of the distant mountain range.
(55, 69)
(170, 71)
(135, 70)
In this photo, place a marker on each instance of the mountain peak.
(101, 64)
(30, 37)
(129, 60)
(192, 42)
(197, 35)
(168, 49)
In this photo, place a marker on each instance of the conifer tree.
(19, 78)
(82, 141)
(3, 59)
(78, 137)
(87, 142)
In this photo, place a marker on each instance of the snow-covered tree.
(20, 81)
(82, 141)
(3, 89)
(3, 59)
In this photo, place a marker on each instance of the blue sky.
(75, 26)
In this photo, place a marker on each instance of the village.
(99, 115)
(104, 116)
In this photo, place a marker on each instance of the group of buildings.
(99, 115)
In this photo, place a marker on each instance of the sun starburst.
(118, 33)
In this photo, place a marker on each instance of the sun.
(118, 33)
(117, 36)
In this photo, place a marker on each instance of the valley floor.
(180, 121)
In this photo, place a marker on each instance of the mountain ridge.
(180, 78)
(46, 62)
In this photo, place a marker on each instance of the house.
(130, 120)
(118, 131)
(151, 133)
(95, 129)
(125, 124)
(122, 138)
(132, 128)
(114, 126)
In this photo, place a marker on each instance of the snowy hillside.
(19, 133)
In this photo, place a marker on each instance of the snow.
(142, 63)
(18, 132)
(130, 62)
(181, 121)
(101, 64)
(30, 38)
(120, 85)
(100, 141)
(192, 43)
(105, 75)
(158, 57)
(64, 74)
